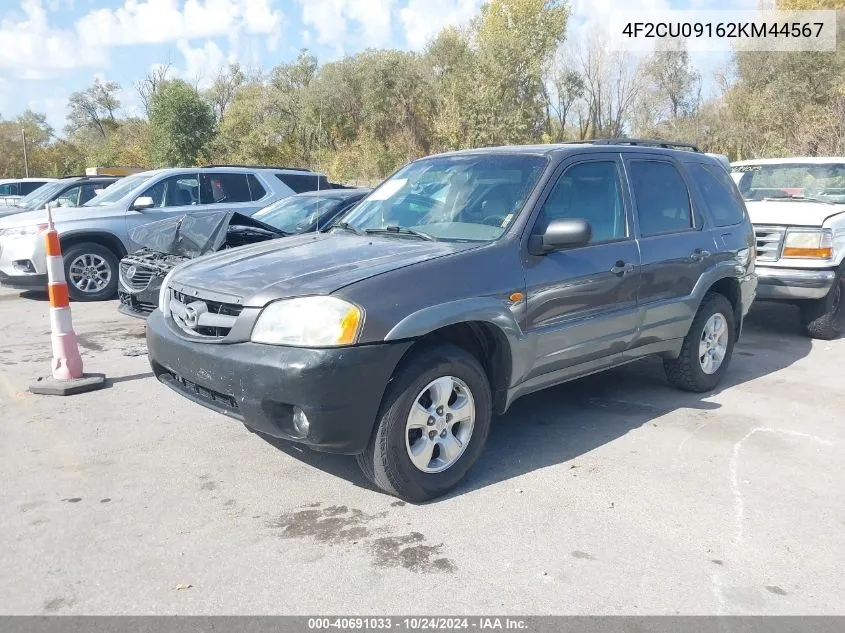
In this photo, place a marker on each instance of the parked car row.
(393, 324)
(13, 189)
(96, 235)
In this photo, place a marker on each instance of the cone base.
(53, 387)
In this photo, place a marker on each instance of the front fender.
(481, 309)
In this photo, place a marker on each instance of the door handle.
(699, 254)
(621, 268)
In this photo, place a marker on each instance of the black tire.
(825, 318)
(386, 462)
(110, 259)
(685, 372)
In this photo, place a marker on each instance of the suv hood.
(61, 216)
(310, 264)
(792, 213)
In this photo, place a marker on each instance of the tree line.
(513, 75)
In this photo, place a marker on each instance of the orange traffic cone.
(68, 377)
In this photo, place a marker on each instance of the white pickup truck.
(797, 207)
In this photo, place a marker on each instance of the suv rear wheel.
(91, 272)
(707, 348)
(432, 426)
(825, 318)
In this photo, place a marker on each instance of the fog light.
(24, 265)
(300, 421)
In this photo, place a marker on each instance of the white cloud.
(424, 19)
(201, 63)
(32, 48)
(157, 21)
(349, 22)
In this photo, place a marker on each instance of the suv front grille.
(139, 278)
(201, 317)
(769, 242)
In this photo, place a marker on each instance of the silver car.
(95, 236)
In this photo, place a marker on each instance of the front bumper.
(23, 248)
(339, 389)
(23, 282)
(793, 283)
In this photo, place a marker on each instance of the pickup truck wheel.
(825, 318)
(90, 272)
(707, 348)
(432, 426)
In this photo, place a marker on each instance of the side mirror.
(561, 234)
(142, 203)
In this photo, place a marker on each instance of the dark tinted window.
(301, 183)
(662, 198)
(25, 188)
(256, 190)
(224, 188)
(719, 194)
(589, 191)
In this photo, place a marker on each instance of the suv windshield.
(823, 182)
(296, 214)
(462, 197)
(41, 196)
(117, 190)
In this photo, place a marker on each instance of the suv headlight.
(812, 243)
(22, 231)
(163, 294)
(308, 322)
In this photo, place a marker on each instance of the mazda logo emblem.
(193, 312)
(130, 272)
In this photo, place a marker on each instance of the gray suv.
(96, 235)
(463, 282)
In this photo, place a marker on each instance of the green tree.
(514, 41)
(182, 125)
(94, 108)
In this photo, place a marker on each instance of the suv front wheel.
(432, 426)
(707, 348)
(90, 272)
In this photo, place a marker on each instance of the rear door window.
(26, 188)
(719, 194)
(662, 198)
(223, 188)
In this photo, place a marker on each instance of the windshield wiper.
(402, 230)
(798, 199)
(347, 227)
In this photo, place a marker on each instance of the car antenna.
(319, 165)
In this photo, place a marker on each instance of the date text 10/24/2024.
(417, 623)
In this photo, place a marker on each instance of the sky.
(51, 48)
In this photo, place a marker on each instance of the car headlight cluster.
(308, 322)
(808, 243)
(22, 231)
(164, 292)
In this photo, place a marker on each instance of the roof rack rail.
(261, 167)
(640, 142)
(89, 177)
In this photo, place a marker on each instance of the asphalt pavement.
(614, 494)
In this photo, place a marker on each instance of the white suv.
(95, 236)
(797, 206)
